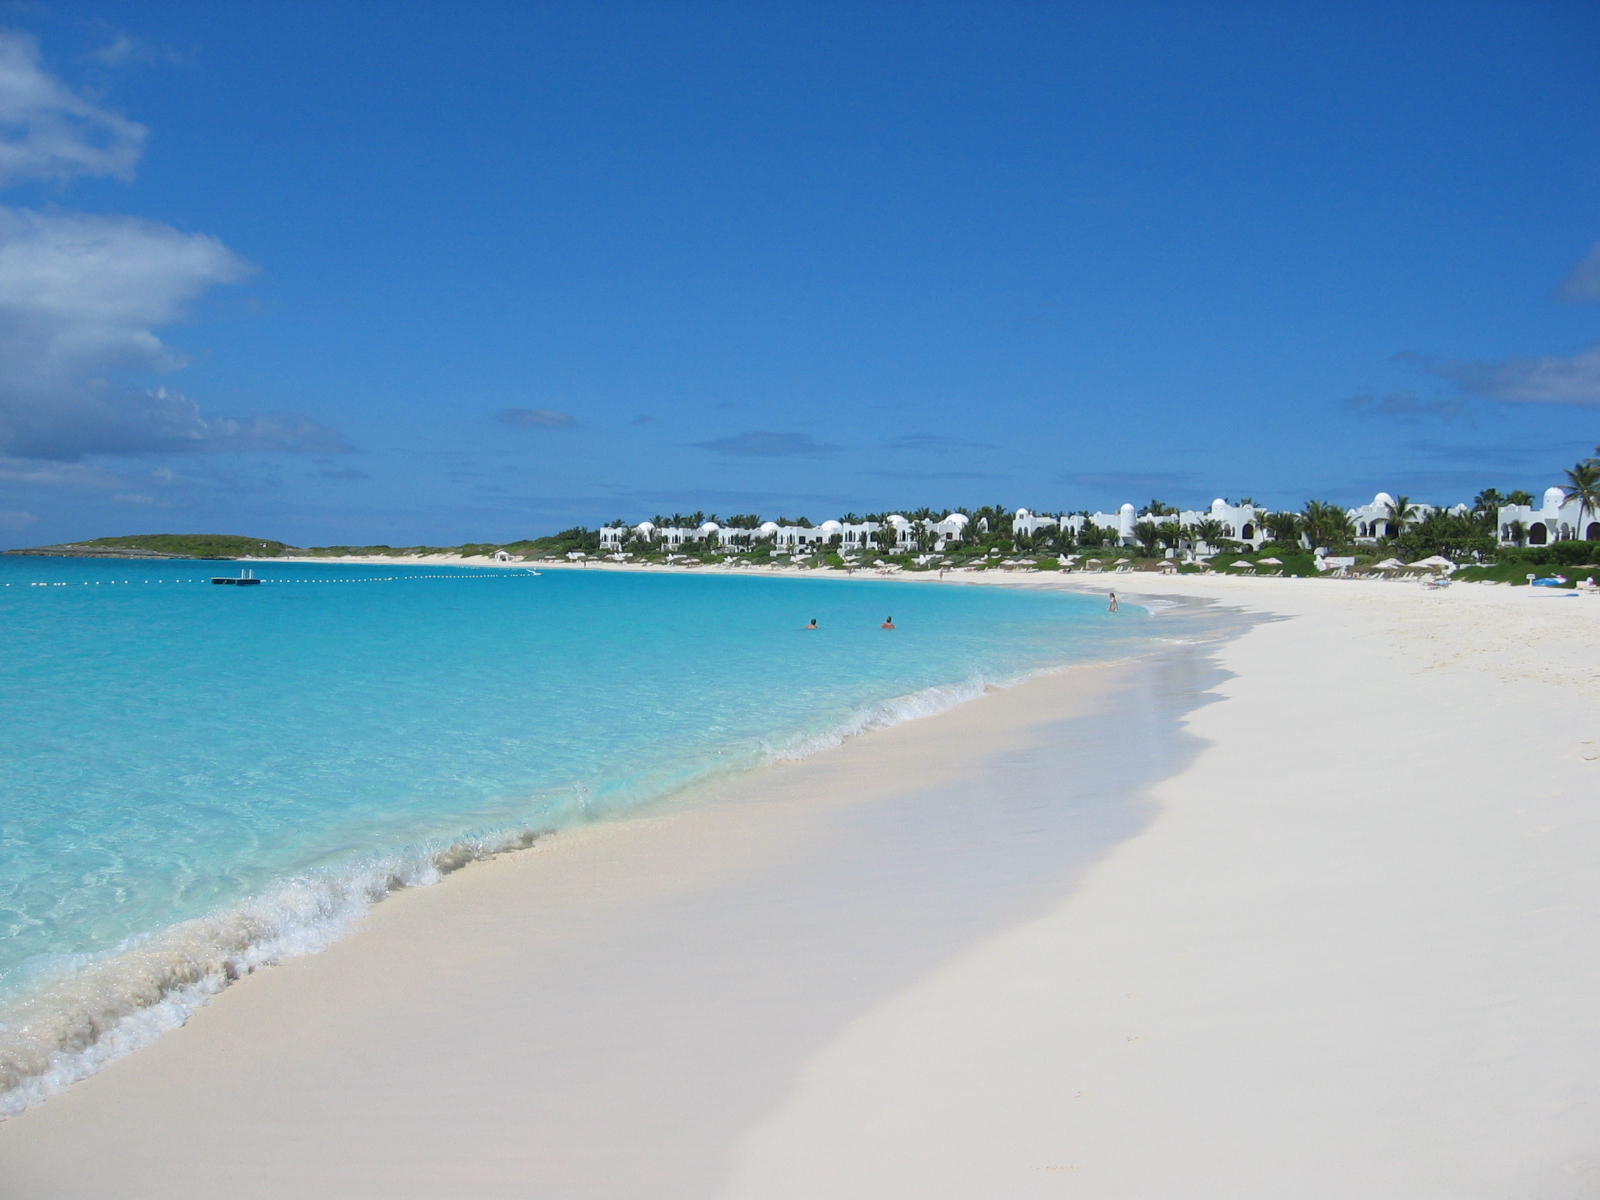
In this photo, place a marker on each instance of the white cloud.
(1584, 282)
(81, 298)
(16, 520)
(1550, 379)
(78, 476)
(48, 131)
(534, 418)
(124, 50)
(93, 288)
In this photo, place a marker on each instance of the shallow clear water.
(172, 750)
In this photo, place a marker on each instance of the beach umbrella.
(1435, 560)
(1272, 562)
(1390, 564)
(1242, 562)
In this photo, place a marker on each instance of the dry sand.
(1345, 945)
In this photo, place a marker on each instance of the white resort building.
(1241, 522)
(848, 537)
(1558, 520)
(1374, 521)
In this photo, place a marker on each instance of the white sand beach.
(1337, 935)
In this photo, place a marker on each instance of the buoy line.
(524, 574)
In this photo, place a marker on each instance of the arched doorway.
(1593, 535)
(1248, 532)
(1537, 534)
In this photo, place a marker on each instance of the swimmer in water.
(813, 624)
(888, 623)
(1113, 602)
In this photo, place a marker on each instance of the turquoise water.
(199, 779)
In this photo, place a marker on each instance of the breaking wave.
(103, 1008)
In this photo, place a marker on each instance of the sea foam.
(177, 821)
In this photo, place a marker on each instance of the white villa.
(1243, 522)
(1558, 520)
(1373, 521)
(847, 536)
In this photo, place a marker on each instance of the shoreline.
(737, 835)
(1349, 952)
(127, 1001)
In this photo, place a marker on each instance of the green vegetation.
(197, 545)
(1467, 537)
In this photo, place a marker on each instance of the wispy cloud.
(1549, 379)
(1128, 480)
(1500, 456)
(81, 298)
(934, 443)
(933, 474)
(48, 131)
(16, 520)
(71, 475)
(124, 49)
(1407, 406)
(1584, 282)
(534, 418)
(761, 444)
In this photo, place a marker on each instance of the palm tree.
(1401, 512)
(1285, 526)
(1326, 524)
(1149, 535)
(1213, 533)
(1583, 485)
(1488, 501)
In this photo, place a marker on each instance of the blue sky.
(430, 273)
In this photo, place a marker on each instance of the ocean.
(197, 780)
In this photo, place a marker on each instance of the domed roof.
(1023, 514)
(709, 527)
(768, 527)
(830, 527)
(1554, 497)
(959, 518)
(644, 527)
(1127, 508)
(1383, 500)
(1219, 504)
(896, 519)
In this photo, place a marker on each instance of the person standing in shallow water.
(813, 624)
(888, 623)
(1113, 602)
